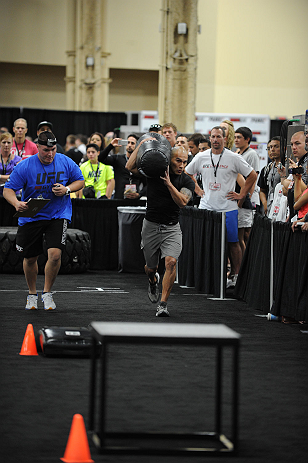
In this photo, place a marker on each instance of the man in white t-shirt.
(219, 168)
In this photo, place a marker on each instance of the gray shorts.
(159, 241)
(245, 218)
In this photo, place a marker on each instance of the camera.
(123, 142)
(296, 170)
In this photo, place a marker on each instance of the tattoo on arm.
(186, 192)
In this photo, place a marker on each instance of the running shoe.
(49, 303)
(162, 311)
(32, 302)
(231, 282)
(153, 290)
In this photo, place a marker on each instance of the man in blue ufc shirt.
(46, 175)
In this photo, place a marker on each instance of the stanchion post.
(222, 289)
(222, 256)
(272, 268)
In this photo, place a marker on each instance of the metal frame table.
(217, 335)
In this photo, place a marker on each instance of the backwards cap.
(47, 139)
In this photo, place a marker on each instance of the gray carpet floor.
(155, 388)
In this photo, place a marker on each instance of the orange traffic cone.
(77, 447)
(29, 345)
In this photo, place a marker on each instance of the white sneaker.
(49, 303)
(162, 311)
(31, 302)
(231, 282)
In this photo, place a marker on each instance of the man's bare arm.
(249, 182)
(181, 197)
(198, 190)
(11, 198)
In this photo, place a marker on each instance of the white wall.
(133, 37)
(260, 60)
(32, 86)
(33, 31)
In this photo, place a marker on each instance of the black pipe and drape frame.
(64, 122)
(199, 263)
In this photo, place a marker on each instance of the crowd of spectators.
(272, 195)
(279, 191)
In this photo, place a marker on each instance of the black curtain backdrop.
(199, 263)
(100, 219)
(64, 122)
(7, 212)
(253, 285)
(290, 266)
(291, 282)
(97, 217)
(131, 258)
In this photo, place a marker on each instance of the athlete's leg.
(150, 273)
(52, 268)
(31, 270)
(169, 278)
(236, 256)
(241, 235)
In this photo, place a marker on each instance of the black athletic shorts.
(29, 238)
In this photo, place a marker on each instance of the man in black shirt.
(46, 126)
(300, 154)
(125, 181)
(161, 232)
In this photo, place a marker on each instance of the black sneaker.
(162, 311)
(153, 290)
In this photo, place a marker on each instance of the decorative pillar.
(87, 67)
(177, 74)
(70, 78)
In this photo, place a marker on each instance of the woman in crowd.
(300, 196)
(99, 179)
(8, 159)
(229, 133)
(99, 140)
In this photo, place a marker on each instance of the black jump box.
(65, 341)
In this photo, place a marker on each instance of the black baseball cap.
(49, 124)
(47, 139)
(155, 127)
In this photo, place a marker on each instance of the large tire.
(76, 257)
(10, 260)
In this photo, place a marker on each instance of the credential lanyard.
(95, 172)
(22, 149)
(217, 165)
(4, 165)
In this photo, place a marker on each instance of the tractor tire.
(76, 257)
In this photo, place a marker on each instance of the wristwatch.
(68, 190)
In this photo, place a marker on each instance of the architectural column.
(70, 77)
(89, 75)
(177, 74)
